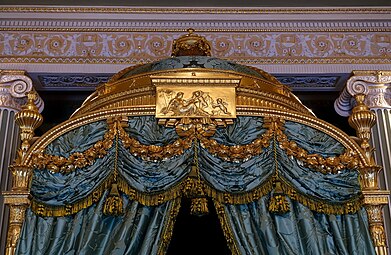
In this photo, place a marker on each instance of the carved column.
(14, 85)
(367, 100)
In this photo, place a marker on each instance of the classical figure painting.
(193, 102)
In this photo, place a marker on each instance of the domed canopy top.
(183, 62)
(192, 66)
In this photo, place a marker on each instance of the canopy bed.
(111, 178)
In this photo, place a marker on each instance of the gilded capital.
(14, 86)
(375, 85)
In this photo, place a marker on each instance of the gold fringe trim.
(57, 211)
(240, 198)
(274, 126)
(184, 189)
(169, 227)
(226, 227)
(314, 204)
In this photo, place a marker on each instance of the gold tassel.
(113, 205)
(199, 204)
(278, 202)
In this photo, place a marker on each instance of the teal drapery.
(245, 175)
(77, 140)
(138, 231)
(256, 231)
(233, 177)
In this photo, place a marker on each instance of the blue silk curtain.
(300, 231)
(141, 228)
(138, 231)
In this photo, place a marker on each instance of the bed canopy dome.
(110, 179)
(191, 59)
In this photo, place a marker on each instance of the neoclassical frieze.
(247, 48)
(126, 36)
(375, 85)
(91, 81)
(14, 85)
(73, 80)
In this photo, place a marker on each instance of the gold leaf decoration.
(278, 202)
(189, 186)
(113, 205)
(199, 206)
(348, 159)
(99, 150)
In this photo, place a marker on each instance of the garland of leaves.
(185, 187)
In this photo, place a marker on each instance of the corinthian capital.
(375, 85)
(14, 85)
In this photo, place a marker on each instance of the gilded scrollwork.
(378, 235)
(375, 213)
(17, 213)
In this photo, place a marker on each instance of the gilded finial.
(362, 120)
(28, 119)
(191, 44)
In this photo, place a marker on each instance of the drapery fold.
(150, 176)
(244, 186)
(312, 140)
(229, 177)
(139, 231)
(77, 140)
(234, 177)
(256, 231)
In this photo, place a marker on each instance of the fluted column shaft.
(14, 85)
(374, 89)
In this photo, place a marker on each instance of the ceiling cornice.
(196, 10)
(90, 40)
